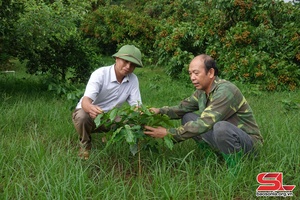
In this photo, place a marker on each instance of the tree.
(9, 13)
(49, 38)
(250, 40)
(115, 25)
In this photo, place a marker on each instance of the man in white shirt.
(108, 87)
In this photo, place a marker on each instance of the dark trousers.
(224, 136)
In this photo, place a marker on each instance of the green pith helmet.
(131, 54)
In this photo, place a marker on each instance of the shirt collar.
(214, 84)
(114, 77)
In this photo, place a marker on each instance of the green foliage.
(47, 36)
(9, 11)
(70, 91)
(264, 49)
(296, 2)
(184, 34)
(251, 42)
(127, 124)
(291, 104)
(113, 25)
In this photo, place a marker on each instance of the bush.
(263, 48)
(251, 41)
(47, 36)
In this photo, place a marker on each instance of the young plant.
(127, 124)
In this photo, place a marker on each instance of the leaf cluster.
(127, 124)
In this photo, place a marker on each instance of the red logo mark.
(272, 181)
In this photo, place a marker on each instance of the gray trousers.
(224, 137)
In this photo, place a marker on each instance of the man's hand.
(158, 132)
(154, 110)
(94, 111)
(88, 107)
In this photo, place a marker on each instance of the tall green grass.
(39, 146)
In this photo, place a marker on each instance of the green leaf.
(113, 114)
(136, 127)
(168, 141)
(112, 139)
(129, 136)
(134, 149)
(97, 120)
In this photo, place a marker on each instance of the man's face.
(124, 67)
(200, 79)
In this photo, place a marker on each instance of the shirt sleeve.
(189, 104)
(222, 103)
(94, 84)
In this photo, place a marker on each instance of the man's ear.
(211, 72)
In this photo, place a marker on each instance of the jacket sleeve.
(189, 104)
(221, 104)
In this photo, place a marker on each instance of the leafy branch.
(127, 124)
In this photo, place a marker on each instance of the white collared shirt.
(106, 92)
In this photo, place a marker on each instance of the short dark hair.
(209, 63)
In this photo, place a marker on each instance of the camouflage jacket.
(225, 102)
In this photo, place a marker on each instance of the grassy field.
(39, 146)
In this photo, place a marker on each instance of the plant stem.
(140, 167)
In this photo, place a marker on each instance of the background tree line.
(256, 42)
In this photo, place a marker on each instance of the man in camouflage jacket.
(226, 120)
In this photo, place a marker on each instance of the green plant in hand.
(127, 124)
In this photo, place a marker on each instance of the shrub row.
(251, 41)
